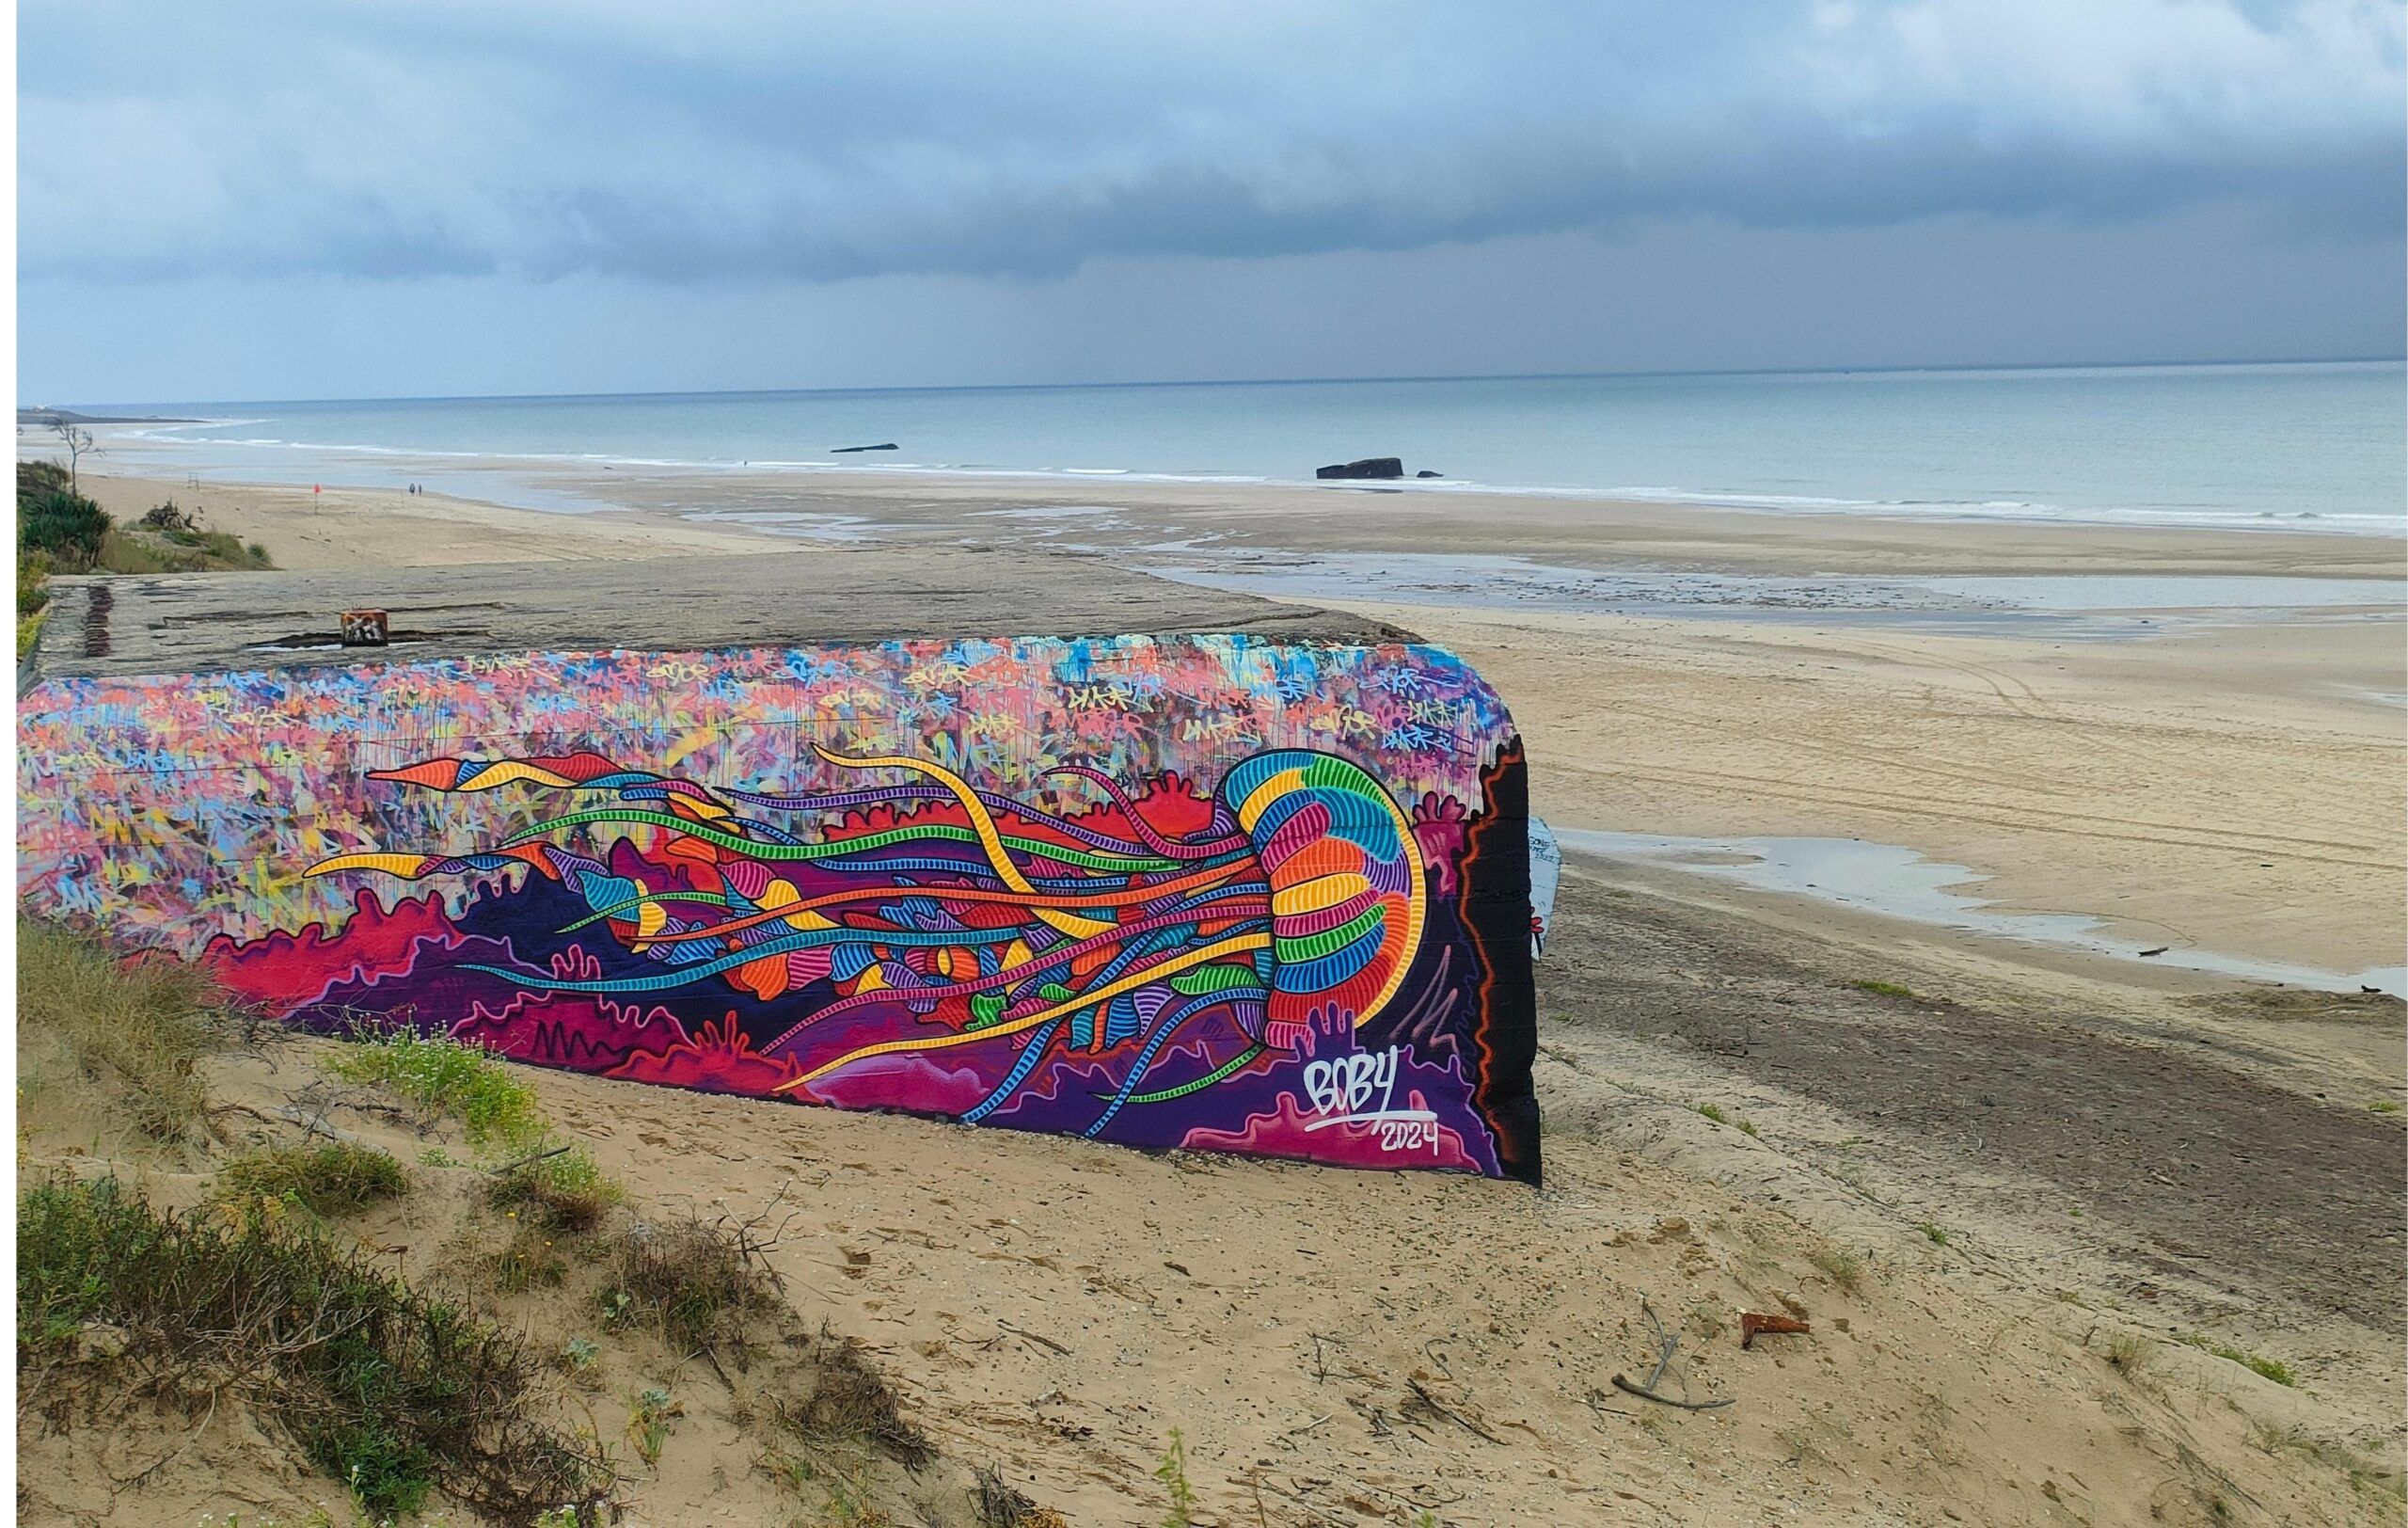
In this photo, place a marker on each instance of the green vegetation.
(1172, 1472)
(212, 552)
(1715, 1112)
(260, 1302)
(563, 1189)
(1933, 1233)
(33, 597)
(447, 1080)
(683, 1279)
(141, 1024)
(56, 521)
(72, 534)
(332, 1180)
(547, 1191)
(392, 1392)
(2126, 1354)
(1885, 989)
(648, 1418)
(2365, 1473)
(67, 526)
(2386, 1106)
(2264, 1368)
(189, 547)
(1843, 1268)
(37, 479)
(851, 1418)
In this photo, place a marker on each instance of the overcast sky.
(248, 200)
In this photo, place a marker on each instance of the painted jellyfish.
(928, 916)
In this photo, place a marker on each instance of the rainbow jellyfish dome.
(1346, 884)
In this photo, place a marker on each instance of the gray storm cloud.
(778, 142)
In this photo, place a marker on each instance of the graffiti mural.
(1216, 893)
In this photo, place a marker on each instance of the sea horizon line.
(1640, 374)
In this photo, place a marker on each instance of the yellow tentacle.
(1201, 956)
(983, 823)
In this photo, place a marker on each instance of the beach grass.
(388, 1390)
(2265, 1368)
(1885, 989)
(140, 1024)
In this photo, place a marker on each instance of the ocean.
(2320, 445)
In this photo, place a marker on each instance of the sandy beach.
(2038, 1148)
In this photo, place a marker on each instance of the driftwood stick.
(508, 1167)
(1667, 1343)
(1039, 1339)
(1438, 1409)
(315, 1124)
(1623, 1384)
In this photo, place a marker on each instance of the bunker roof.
(216, 622)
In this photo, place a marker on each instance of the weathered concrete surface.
(192, 623)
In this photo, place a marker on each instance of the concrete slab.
(209, 622)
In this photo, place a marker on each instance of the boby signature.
(1339, 1089)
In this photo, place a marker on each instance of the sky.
(246, 201)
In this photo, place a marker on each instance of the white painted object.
(1546, 867)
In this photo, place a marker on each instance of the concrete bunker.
(1185, 868)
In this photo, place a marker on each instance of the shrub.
(684, 1277)
(852, 1407)
(35, 479)
(33, 597)
(567, 1191)
(392, 1392)
(122, 553)
(332, 1180)
(33, 581)
(1172, 1472)
(225, 547)
(169, 520)
(65, 524)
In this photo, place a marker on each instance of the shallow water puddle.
(789, 522)
(2104, 605)
(1891, 881)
